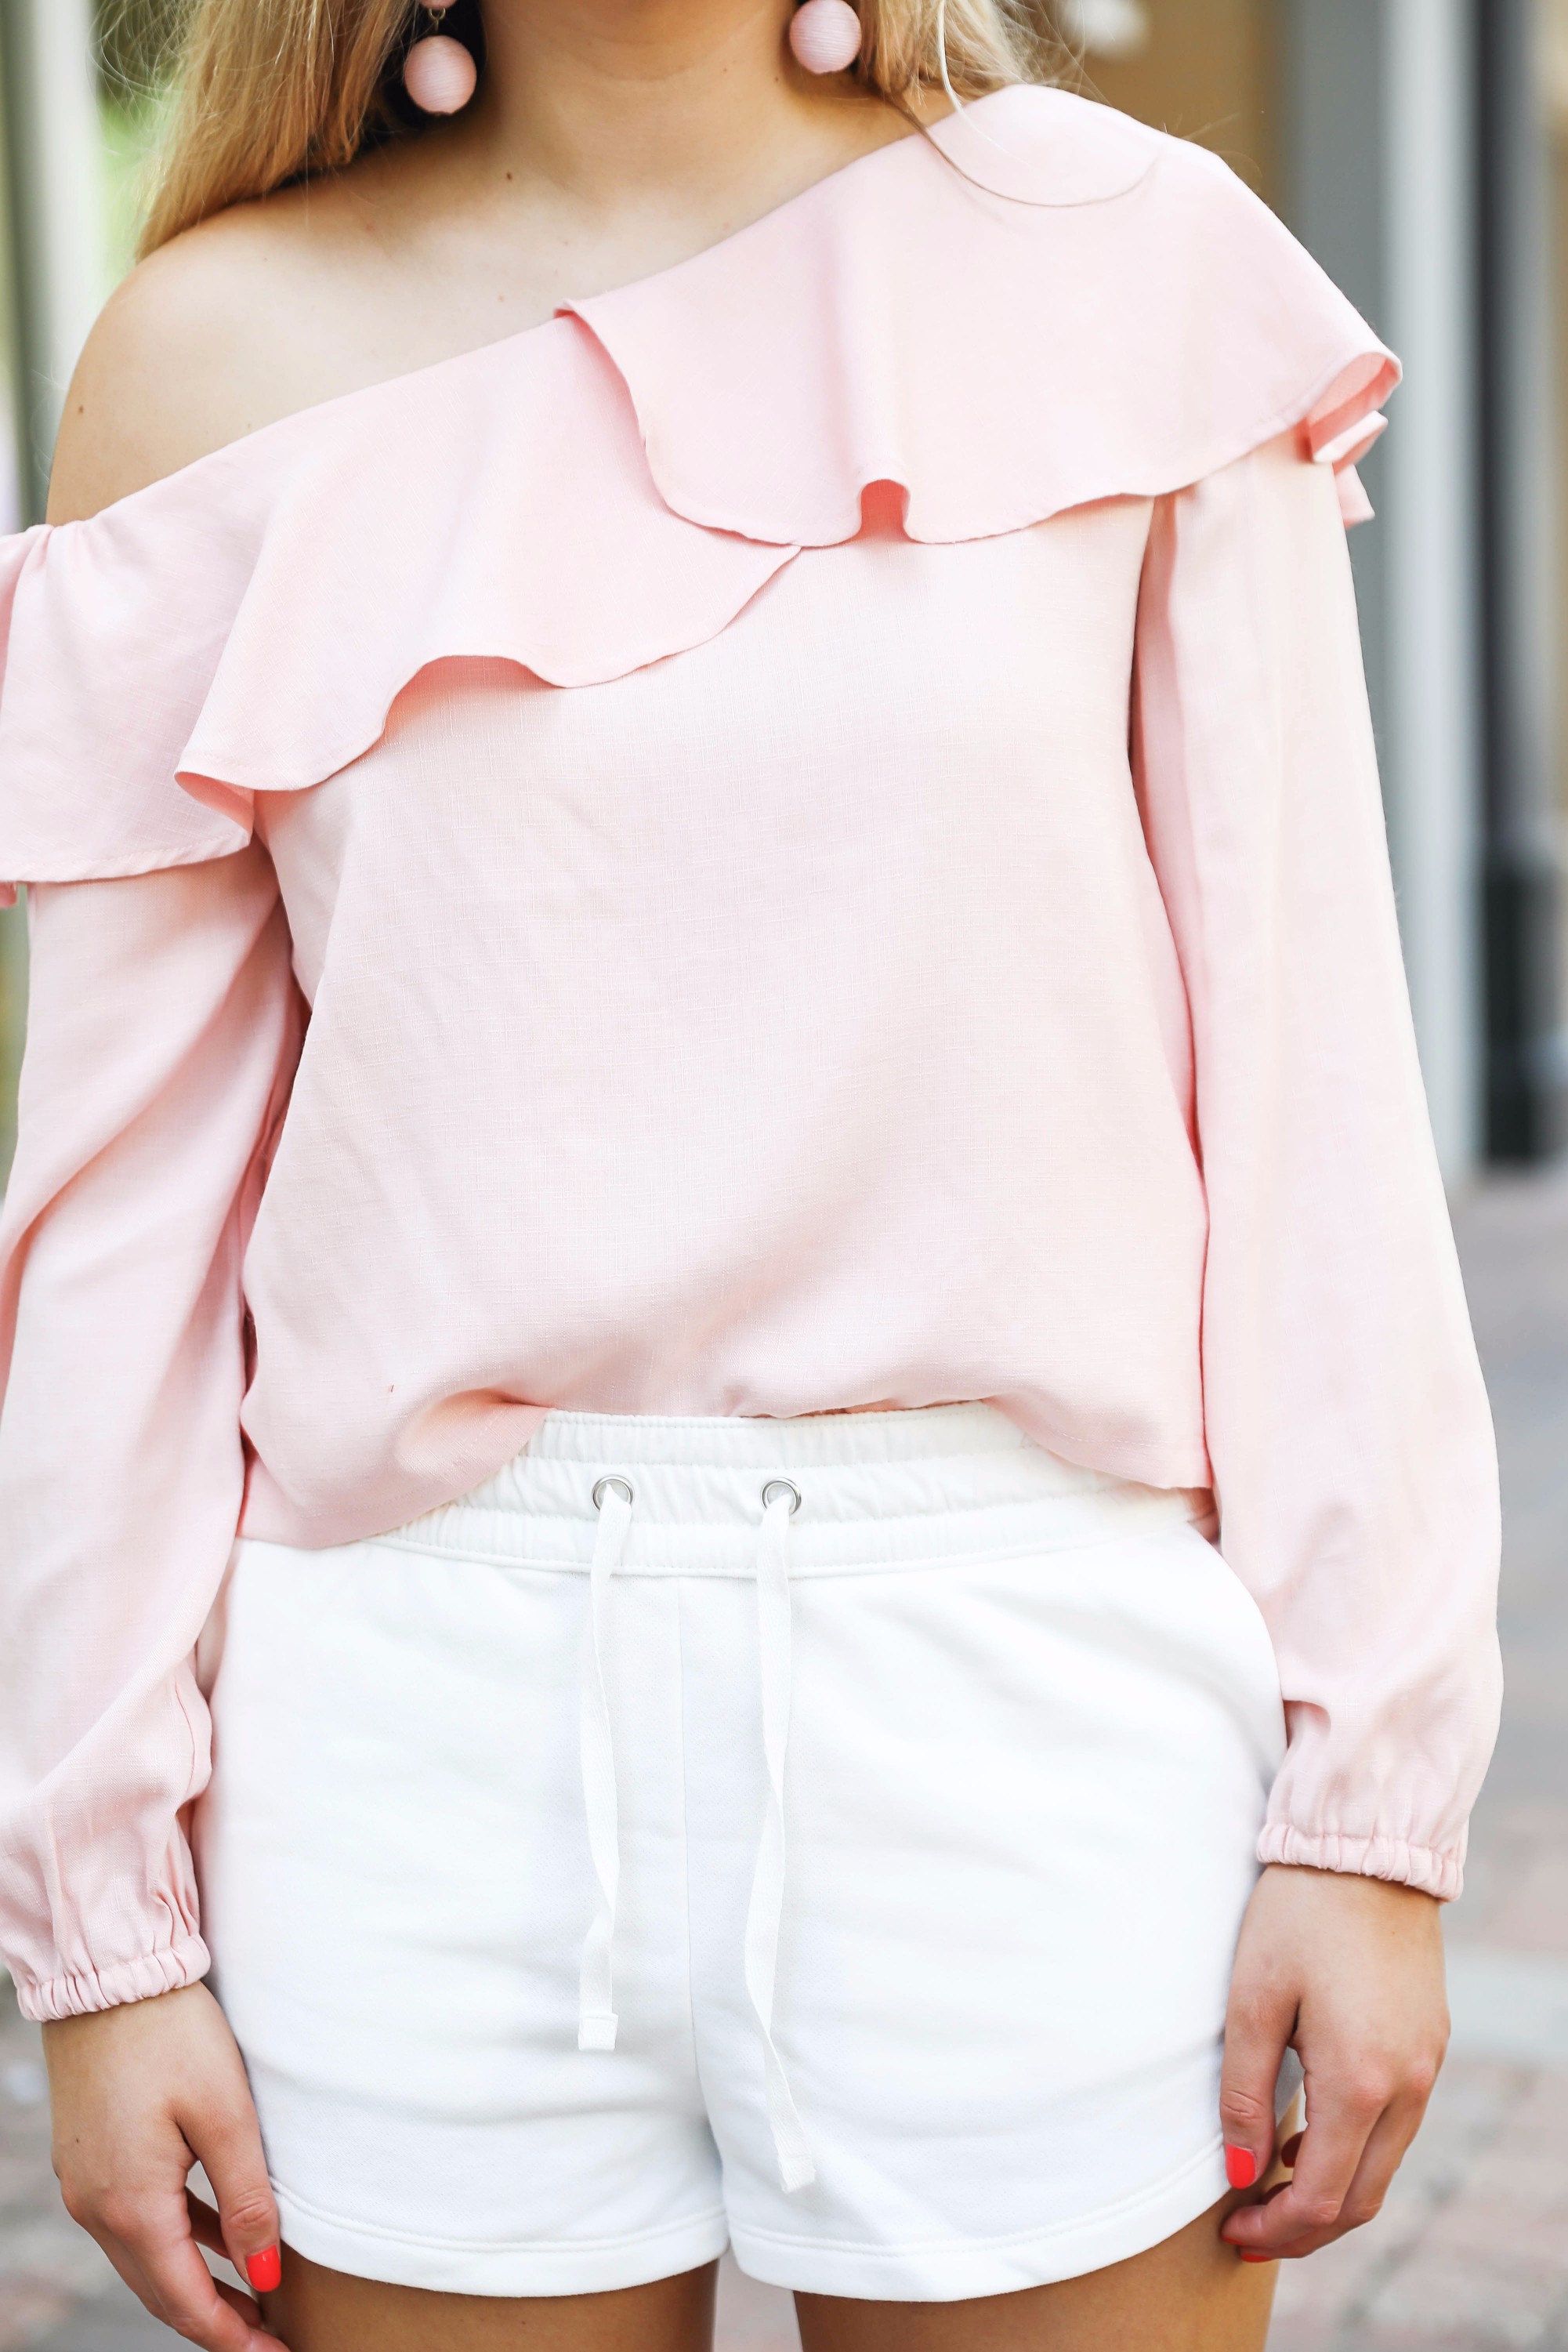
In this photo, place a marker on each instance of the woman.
(717, 1041)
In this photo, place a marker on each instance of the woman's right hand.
(140, 2095)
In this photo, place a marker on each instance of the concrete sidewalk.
(1471, 2253)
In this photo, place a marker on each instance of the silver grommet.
(783, 1486)
(621, 1486)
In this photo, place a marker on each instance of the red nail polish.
(1240, 2166)
(1256, 2258)
(265, 2271)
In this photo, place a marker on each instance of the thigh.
(1190, 2293)
(320, 2310)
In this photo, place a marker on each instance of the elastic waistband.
(876, 1490)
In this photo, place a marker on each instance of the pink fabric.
(162, 1028)
(745, 974)
(1138, 321)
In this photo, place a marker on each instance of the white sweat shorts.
(827, 1836)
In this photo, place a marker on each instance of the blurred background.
(1420, 149)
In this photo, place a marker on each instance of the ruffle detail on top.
(246, 625)
(1037, 304)
(999, 357)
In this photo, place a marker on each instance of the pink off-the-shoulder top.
(804, 832)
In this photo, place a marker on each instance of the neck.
(613, 105)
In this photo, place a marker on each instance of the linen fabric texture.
(1032, 1719)
(823, 849)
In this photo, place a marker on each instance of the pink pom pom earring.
(438, 73)
(825, 35)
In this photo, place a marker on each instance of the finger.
(151, 2251)
(231, 2152)
(207, 2230)
(180, 2290)
(205, 2227)
(259, 2340)
(131, 2271)
(1258, 2028)
(256, 2338)
(1289, 2151)
(1380, 2160)
(1341, 2115)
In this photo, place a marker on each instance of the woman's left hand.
(1349, 1971)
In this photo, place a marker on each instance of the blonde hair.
(266, 91)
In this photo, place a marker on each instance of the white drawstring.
(765, 1911)
(596, 2022)
(596, 2019)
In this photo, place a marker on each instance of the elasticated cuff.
(1421, 1867)
(78, 1994)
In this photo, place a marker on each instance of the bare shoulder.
(236, 323)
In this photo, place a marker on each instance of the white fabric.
(597, 2021)
(765, 1911)
(857, 1881)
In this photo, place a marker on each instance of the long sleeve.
(163, 1029)
(1344, 1413)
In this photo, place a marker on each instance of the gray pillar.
(56, 269)
(1434, 583)
(1527, 1058)
(56, 213)
(1380, 184)
(13, 957)
(1332, 72)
